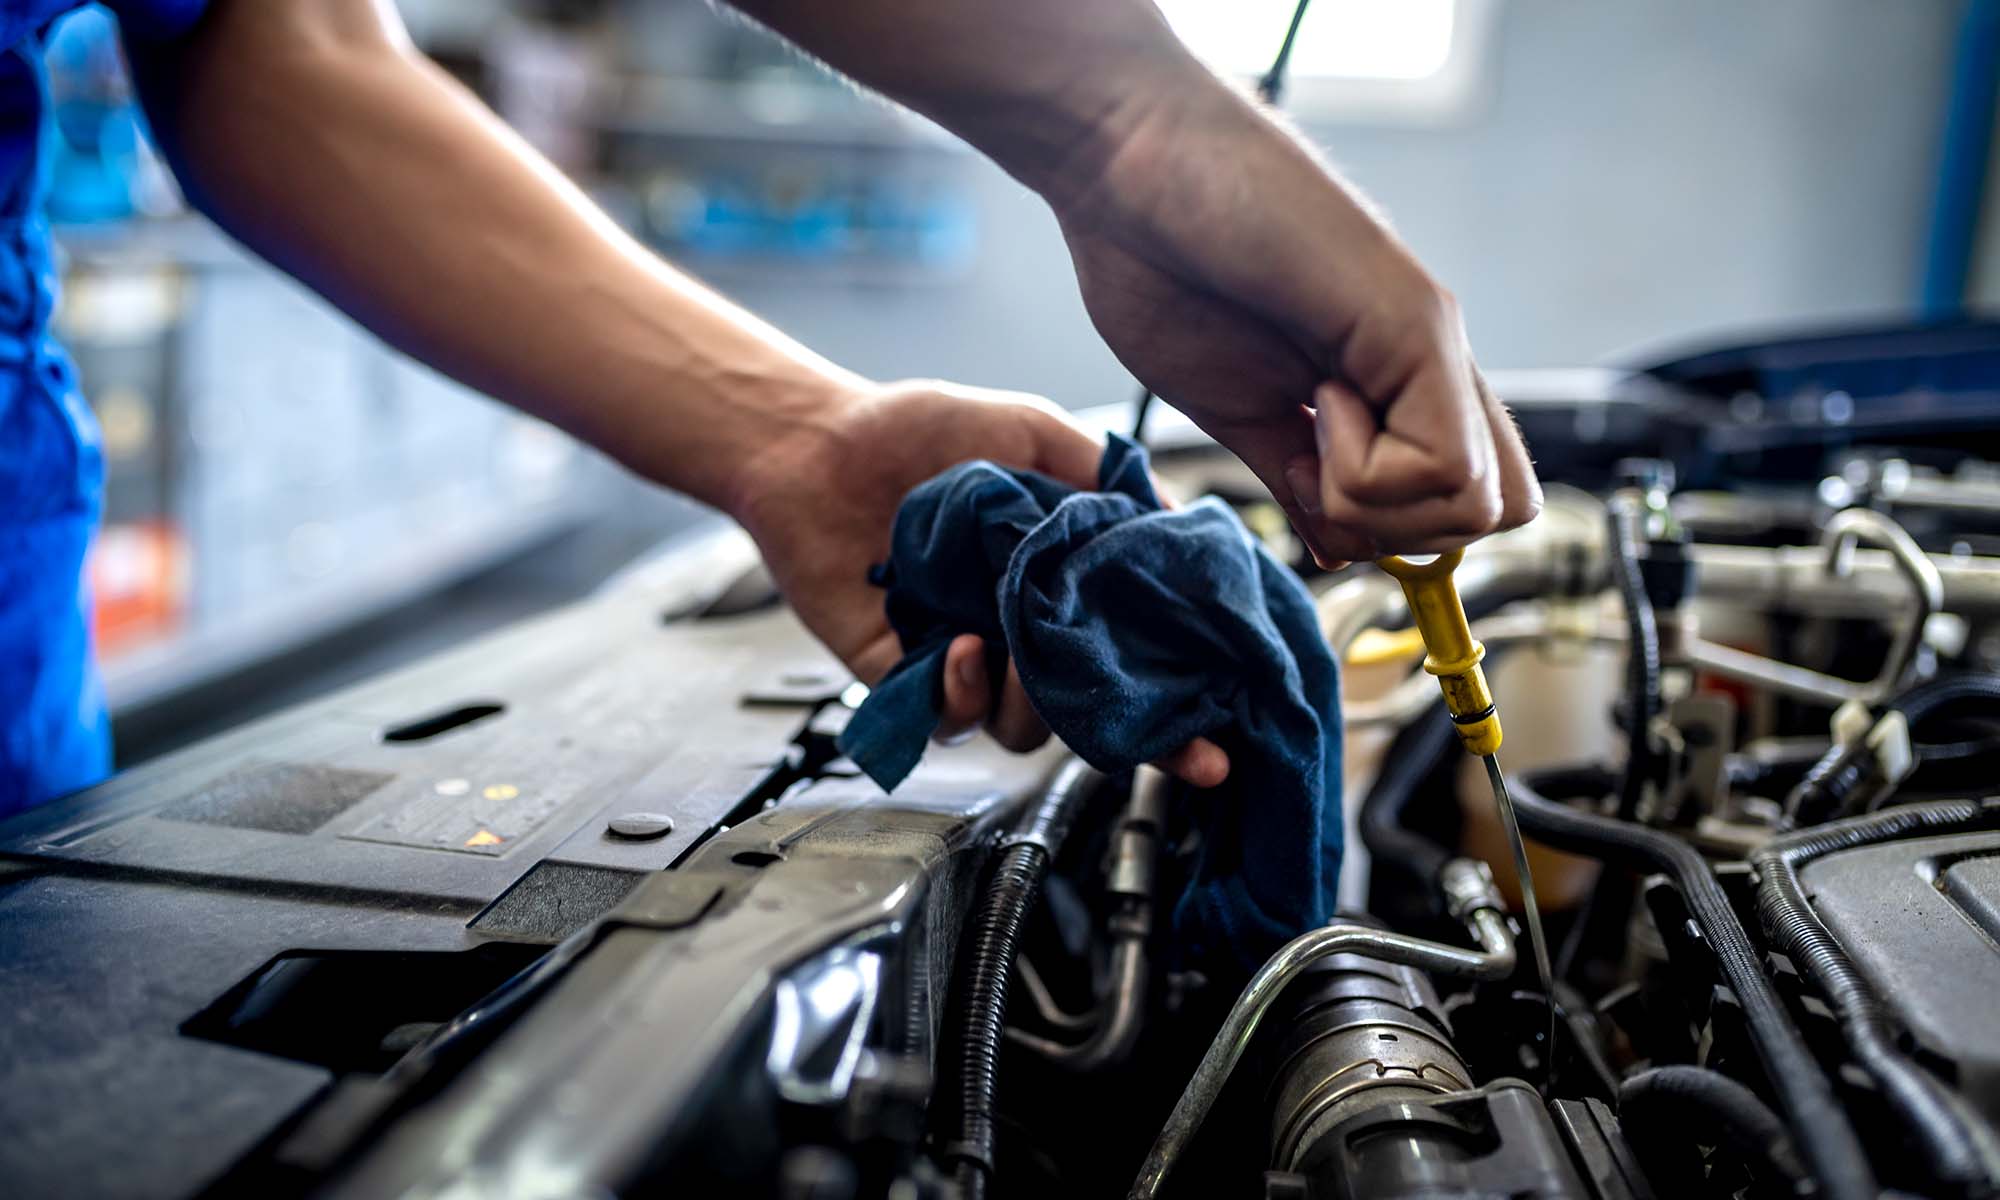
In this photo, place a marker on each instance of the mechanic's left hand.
(820, 506)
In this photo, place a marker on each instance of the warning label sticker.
(483, 813)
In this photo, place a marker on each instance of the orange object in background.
(138, 574)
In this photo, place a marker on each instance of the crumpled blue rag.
(1134, 628)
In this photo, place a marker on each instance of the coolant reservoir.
(1556, 701)
(1557, 704)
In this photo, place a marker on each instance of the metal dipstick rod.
(1453, 655)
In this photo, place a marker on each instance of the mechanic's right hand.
(1242, 281)
(821, 499)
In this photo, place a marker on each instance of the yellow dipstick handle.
(1454, 653)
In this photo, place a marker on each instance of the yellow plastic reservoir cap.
(1376, 647)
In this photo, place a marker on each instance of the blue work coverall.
(54, 733)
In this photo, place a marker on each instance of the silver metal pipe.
(1051, 1013)
(1800, 683)
(1842, 532)
(1953, 495)
(1795, 579)
(1923, 596)
(1409, 698)
(1115, 1024)
(1473, 897)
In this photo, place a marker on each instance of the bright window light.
(1339, 39)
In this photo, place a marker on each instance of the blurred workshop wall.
(1625, 175)
(1672, 168)
(275, 476)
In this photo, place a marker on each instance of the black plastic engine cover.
(211, 959)
(1921, 920)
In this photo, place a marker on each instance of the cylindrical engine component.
(1366, 1033)
(1497, 1140)
(1371, 1102)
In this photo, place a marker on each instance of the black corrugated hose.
(1953, 1153)
(1819, 1124)
(1642, 664)
(1715, 1107)
(987, 967)
(1608, 907)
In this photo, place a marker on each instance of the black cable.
(1949, 695)
(1608, 906)
(986, 968)
(1953, 720)
(1659, 1109)
(1642, 666)
(1586, 1044)
(1270, 89)
(1818, 1122)
(1140, 408)
(1951, 1150)
(1592, 922)
(1953, 729)
(1944, 771)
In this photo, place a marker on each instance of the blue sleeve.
(155, 19)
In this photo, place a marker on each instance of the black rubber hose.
(1950, 753)
(1943, 706)
(1952, 721)
(1952, 1153)
(1818, 1123)
(1715, 1108)
(1944, 770)
(1642, 666)
(1936, 697)
(986, 968)
(1410, 760)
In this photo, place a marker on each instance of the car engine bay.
(595, 907)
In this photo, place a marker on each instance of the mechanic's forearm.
(1046, 88)
(313, 133)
